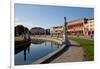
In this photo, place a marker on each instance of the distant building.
(37, 31)
(77, 27)
(90, 26)
(82, 26)
(56, 30)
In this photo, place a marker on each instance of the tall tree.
(19, 30)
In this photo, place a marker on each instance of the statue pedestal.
(65, 32)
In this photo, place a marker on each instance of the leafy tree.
(26, 30)
(19, 30)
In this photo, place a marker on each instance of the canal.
(33, 51)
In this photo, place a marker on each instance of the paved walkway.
(73, 54)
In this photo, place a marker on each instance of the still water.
(33, 51)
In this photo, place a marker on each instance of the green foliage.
(20, 29)
(18, 38)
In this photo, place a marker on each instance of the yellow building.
(77, 27)
(81, 26)
(90, 27)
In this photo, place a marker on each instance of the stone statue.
(65, 32)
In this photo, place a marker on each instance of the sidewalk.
(73, 54)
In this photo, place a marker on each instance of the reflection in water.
(25, 55)
(21, 47)
(30, 52)
(25, 52)
(37, 41)
(51, 45)
(45, 43)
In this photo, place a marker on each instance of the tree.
(26, 30)
(19, 30)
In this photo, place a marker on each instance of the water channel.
(33, 51)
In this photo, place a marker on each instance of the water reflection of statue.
(25, 55)
(28, 50)
(45, 43)
(22, 47)
(57, 45)
(51, 44)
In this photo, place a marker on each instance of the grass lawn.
(18, 38)
(88, 46)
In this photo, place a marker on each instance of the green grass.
(18, 38)
(88, 46)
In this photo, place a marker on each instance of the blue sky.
(48, 16)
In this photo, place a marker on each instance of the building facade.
(82, 26)
(90, 27)
(77, 27)
(56, 31)
(37, 31)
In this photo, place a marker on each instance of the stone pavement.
(75, 53)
